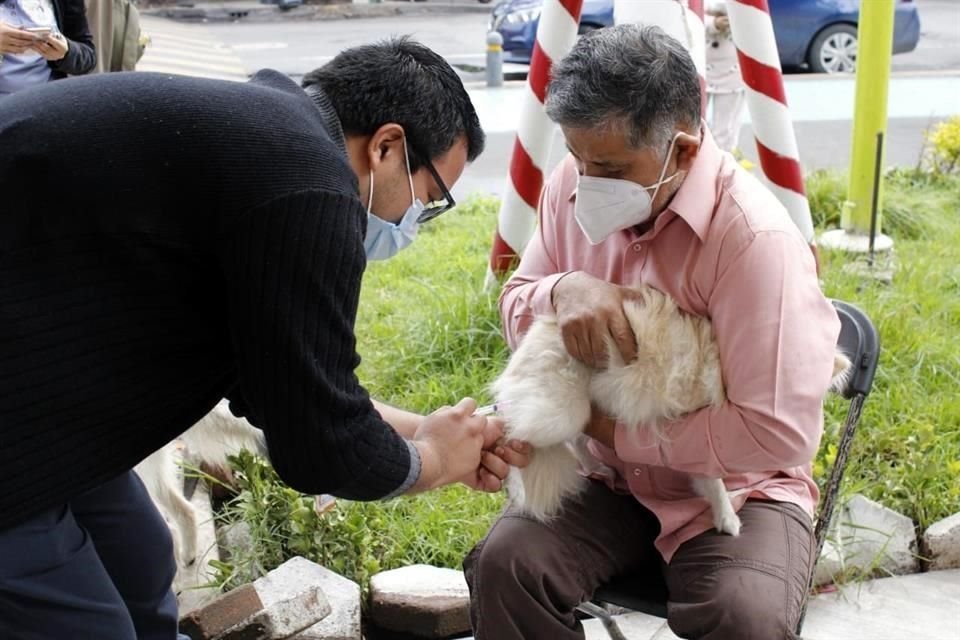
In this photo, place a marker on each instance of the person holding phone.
(43, 40)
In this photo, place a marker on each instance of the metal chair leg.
(601, 614)
(831, 494)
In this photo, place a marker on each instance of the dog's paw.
(728, 523)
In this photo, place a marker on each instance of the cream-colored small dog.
(545, 397)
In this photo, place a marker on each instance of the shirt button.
(637, 472)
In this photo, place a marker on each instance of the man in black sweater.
(168, 241)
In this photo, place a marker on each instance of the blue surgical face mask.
(385, 239)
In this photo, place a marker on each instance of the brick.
(213, 620)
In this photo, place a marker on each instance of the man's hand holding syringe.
(464, 444)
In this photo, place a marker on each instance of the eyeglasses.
(434, 208)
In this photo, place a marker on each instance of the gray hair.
(628, 77)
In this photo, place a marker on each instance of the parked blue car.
(818, 34)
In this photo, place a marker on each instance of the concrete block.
(421, 600)
(941, 543)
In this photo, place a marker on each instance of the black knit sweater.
(165, 242)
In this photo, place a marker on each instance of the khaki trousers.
(526, 577)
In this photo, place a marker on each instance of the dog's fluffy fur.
(217, 435)
(545, 396)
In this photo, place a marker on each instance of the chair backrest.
(860, 342)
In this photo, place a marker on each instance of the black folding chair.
(860, 342)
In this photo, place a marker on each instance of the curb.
(255, 12)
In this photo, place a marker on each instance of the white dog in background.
(545, 397)
(217, 435)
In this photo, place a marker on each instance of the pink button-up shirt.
(726, 250)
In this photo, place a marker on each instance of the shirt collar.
(331, 120)
(696, 199)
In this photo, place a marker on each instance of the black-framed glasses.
(434, 208)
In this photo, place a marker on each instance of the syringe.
(486, 410)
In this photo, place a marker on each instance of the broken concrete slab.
(420, 600)
(871, 538)
(343, 623)
(278, 605)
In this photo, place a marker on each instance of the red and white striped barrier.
(767, 101)
(556, 34)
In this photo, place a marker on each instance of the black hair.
(400, 80)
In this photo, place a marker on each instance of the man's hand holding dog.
(589, 311)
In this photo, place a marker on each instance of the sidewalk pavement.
(811, 98)
(821, 108)
(923, 606)
(187, 50)
(255, 11)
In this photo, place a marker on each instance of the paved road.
(939, 47)
(296, 47)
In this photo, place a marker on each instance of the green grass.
(907, 452)
(427, 332)
(429, 335)
(916, 204)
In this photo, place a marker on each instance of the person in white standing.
(725, 89)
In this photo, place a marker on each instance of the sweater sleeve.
(293, 269)
(81, 57)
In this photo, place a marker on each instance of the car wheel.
(834, 50)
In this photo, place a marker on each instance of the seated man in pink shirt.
(646, 196)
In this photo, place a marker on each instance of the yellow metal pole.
(874, 50)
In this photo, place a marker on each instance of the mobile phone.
(39, 32)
